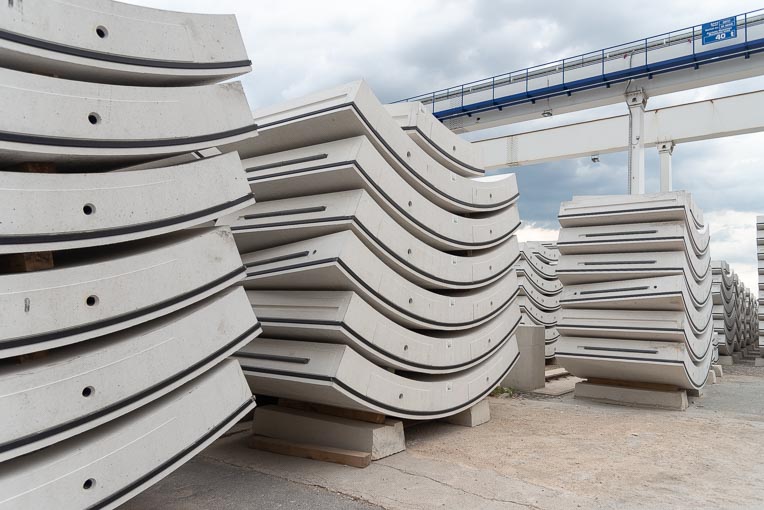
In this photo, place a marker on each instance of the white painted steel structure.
(673, 125)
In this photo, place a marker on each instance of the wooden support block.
(34, 167)
(26, 262)
(350, 414)
(309, 451)
(632, 384)
(555, 373)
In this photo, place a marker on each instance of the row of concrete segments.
(119, 308)
(636, 304)
(735, 311)
(539, 290)
(760, 258)
(379, 257)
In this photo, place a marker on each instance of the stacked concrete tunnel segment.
(540, 290)
(379, 261)
(735, 310)
(636, 304)
(119, 297)
(760, 258)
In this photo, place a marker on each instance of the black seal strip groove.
(117, 59)
(93, 326)
(156, 388)
(130, 229)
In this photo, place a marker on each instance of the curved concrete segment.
(114, 288)
(345, 318)
(279, 222)
(352, 110)
(637, 237)
(106, 466)
(596, 210)
(627, 325)
(631, 267)
(75, 389)
(337, 375)
(663, 293)
(47, 212)
(342, 262)
(76, 123)
(114, 42)
(450, 150)
(355, 164)
(657, 362)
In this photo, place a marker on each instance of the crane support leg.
(636, 102)
(665, 149)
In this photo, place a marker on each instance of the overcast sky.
(403, 48)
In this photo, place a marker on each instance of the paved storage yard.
(535, 453)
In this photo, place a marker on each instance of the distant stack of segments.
(117, 298)
(540, 289)
(760, 257)
(725, 311)
(379, 260)
(636, 302)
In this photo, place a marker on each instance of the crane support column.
(665, 149)
(636, 102)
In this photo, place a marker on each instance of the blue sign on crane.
(720, 30)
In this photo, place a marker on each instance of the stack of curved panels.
(377, 285)
(636, 302)
(760, 258)
(725, 311)
(540, 289)
(113, 366)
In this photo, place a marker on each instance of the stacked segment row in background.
(118, 300)
(540, 290)
(636, 303)
(380, 266)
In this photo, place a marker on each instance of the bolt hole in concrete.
(91, 300)
(94, 118)
(405, 347)
(89, 483)
(101, 32)
(409, 251)
(88, 391)
(411, 300)
(400, 396)
(88, 209)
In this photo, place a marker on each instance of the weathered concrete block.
(758, 362)
(528, 372)
(476, 415)
(697, 393)
(718, 370)
(299, 426)
(711, 377)
(726, 361)
(630, 396)
(736, 356)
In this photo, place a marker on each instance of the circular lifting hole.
(410, 203)
(102, 32)
(400, 396)
(411, 300)
(91, 300)
(88, 209)
(406, 347)
(408, 154)
(87, 391)
(94, 118)
(89, 483)
(409, 251)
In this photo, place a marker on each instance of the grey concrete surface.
(537, 452)
(210, 484)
